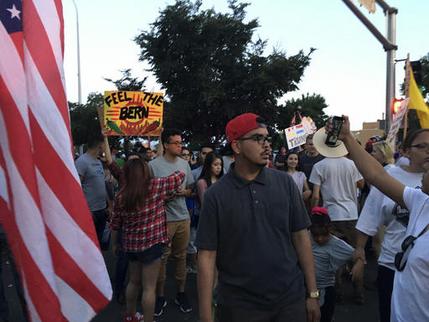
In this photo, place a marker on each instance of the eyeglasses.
(421, 146)
(175, 143)
(261, 139)
(185, 154)
(401, 258)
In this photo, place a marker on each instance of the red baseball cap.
(321, 211)
(240, 125)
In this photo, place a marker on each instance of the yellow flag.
(417, 102)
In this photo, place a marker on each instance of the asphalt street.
(345, 312)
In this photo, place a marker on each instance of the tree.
(424, 85)
(308, 105)
(84, 118)
(127, 82)
(212, 69)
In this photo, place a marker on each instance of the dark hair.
(207, 145)
(136, 154)
(310, 136)
(292, 152)
(320, 220)
(185, 148)
(167, 133)
(411, 137)
(136, 187)
(227, 150)
(94, 140)
(206, 171)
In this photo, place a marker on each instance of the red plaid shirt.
(146, 227)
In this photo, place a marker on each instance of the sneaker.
(129, 318)
(138, 317)
(160, 304)
(191, 270)
(183, 303)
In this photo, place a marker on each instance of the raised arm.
(371, 170)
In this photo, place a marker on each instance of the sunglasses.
(407, 245)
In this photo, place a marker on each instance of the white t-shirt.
(381, 210)
(402, 161)
(337, 178)
(410, 297)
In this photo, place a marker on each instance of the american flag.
(42, 207)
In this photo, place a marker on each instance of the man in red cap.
(253, 227)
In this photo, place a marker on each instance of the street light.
(78, 55)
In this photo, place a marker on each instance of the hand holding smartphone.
(332, 136)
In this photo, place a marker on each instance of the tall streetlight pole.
(389, 45)
(78, 55)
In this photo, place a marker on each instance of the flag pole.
(407, 94)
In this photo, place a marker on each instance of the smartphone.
(332, 137)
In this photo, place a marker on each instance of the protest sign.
(396, 123)
(295, 136)
(129, 113)
(309, 125)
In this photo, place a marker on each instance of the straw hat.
(337, 151)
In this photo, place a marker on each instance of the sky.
(348, 69)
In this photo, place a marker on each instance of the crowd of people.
(270, 239)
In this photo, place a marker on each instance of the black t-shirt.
(250, 225)
(307, 162)
(280, 158)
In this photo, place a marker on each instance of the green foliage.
(84, 118)
(308, 105)
(424, 86)
(127, 82)
(212, 69)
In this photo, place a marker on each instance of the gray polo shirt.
(249, 224)
(176, 208)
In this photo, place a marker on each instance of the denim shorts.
(147, 256)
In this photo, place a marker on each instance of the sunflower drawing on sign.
(129, 113)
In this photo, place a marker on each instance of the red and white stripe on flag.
(42, 206)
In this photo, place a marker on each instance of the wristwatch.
(314, 295)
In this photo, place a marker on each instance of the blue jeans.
(100, 218)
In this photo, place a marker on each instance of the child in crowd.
(330, 253)
(297, 176)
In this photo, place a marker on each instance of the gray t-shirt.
(176, 208)
(328, 258)
(250, 225)
(92, 178)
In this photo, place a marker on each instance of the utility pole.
(79, 84)
(389, 45)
